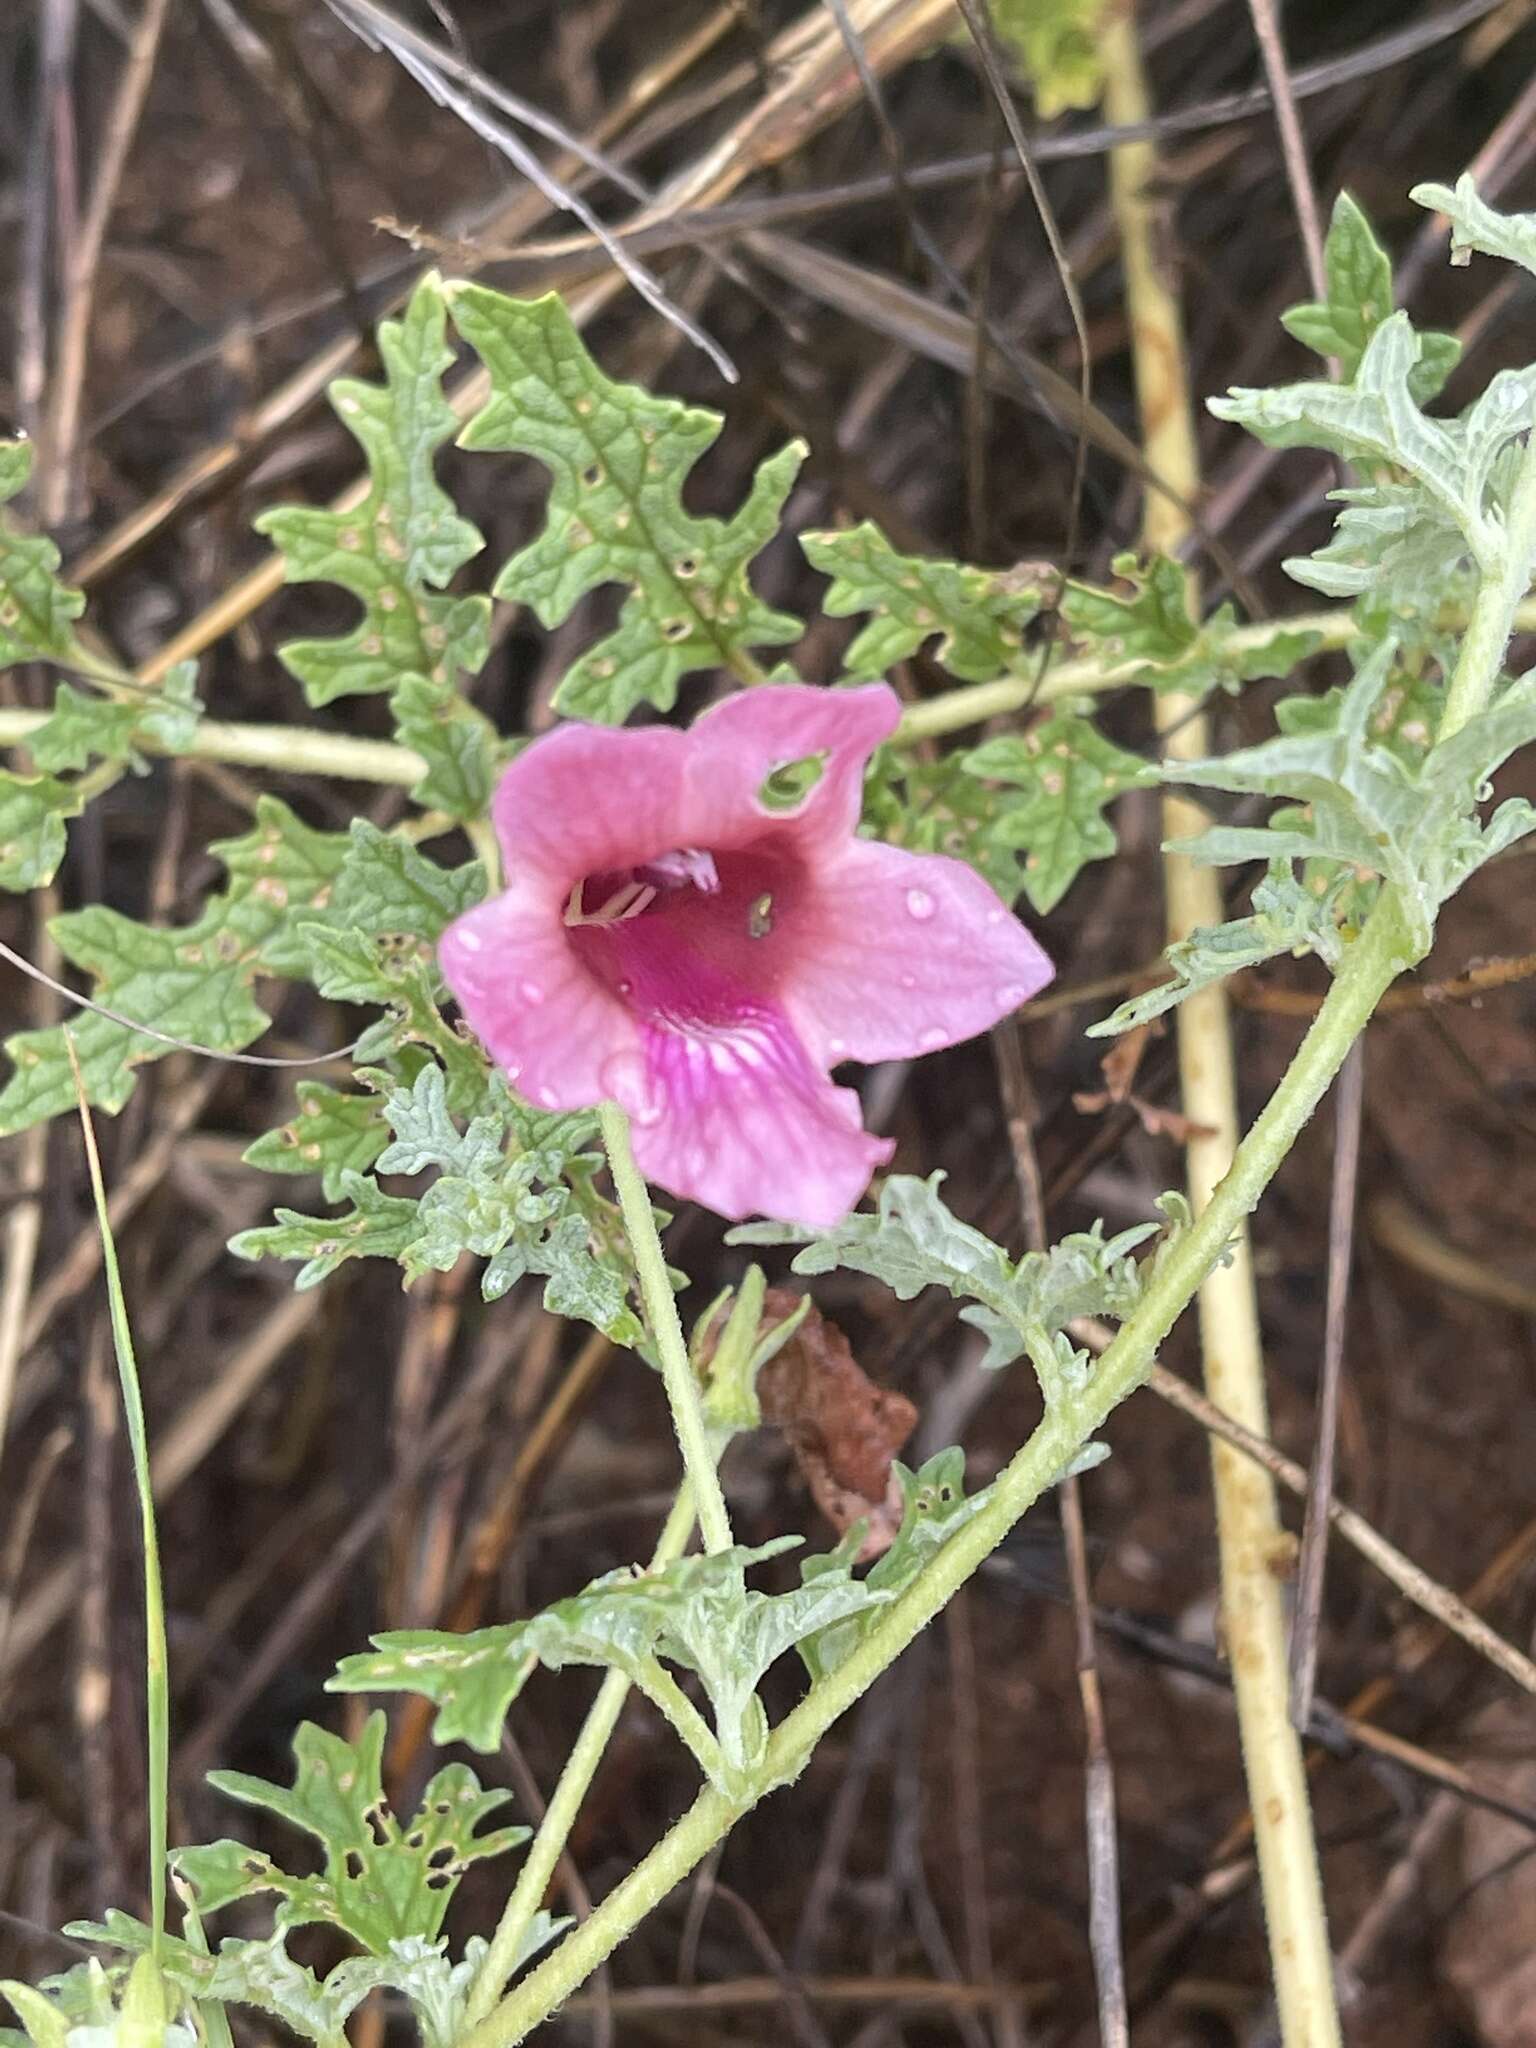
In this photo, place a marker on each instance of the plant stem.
(310, 750)
(666, 1330)
(1497, 603)
(1380, 953)
(548, 1844)
(288, 749)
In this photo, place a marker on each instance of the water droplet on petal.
(511, 1069)
(469, 939)
(625, 988)
(996, 916)
(532, 991)
(933, 1038)
(909, 981)
(837, 1047)
(920, 905)
(1010, 996)
(548, 1097)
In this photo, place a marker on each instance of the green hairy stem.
(666, 1330)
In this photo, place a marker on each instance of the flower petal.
(900, 953)
(550, 1025)
(740, 742)
(586, 798)
(737, 1118)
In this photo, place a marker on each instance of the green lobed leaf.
(37, 611)
(458, 743)
(1455, 468)
(977, 616)
(82, 728)
(1288, 917)
(383, 1880)
(331, 1135)
(192, 982)
(1065, 773)
(1359, 278)
(375, 1226)
(731, 1635)
(618, 458)
(934, 1506)
(1151, 627)
(404, 542)
(913, 1241)
(33, 809)
(86, 727)
(697, 1613)
(514, 1187)
(262, 1974)
(386, 886)
(396, 552)
(255, 1973)
(937, 807)
(1357, 801)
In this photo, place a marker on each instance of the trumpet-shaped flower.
(692, 928)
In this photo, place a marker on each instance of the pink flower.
(675, 940)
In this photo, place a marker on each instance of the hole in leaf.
(786, 787)
(356, 1864)
(686, 566)
(439, 1881)
(415, 1839)
(592, 475)
(674, 629)
(441, 1856)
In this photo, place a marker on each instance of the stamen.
(627, 901)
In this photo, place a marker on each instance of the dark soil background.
(357, 1459)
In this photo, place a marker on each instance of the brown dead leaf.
(1121, 1064)
(844, 1430)
(1155, 1121)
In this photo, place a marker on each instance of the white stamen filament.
(627, 901)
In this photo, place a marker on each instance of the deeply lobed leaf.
(618, 459)
(382, 1881)
(192, 982)
(1064, 772)
(975, 617)
(395, 552)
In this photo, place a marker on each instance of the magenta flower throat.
(677, 938)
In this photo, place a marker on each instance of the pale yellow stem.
(1247, 1508)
